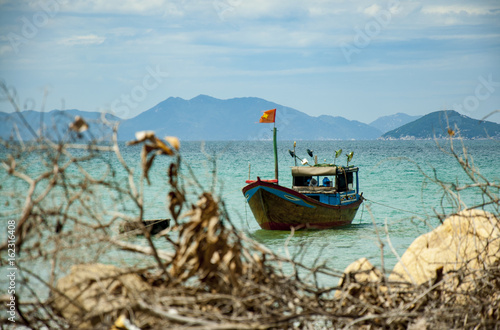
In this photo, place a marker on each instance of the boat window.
(344, 181)
(301, 180)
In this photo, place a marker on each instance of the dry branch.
(210, 275)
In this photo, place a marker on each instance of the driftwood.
(153, 226)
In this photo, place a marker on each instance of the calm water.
(391, 179)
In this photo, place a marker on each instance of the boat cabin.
(326, 184)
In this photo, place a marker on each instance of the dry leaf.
(173, 141)
(144, 135)
(79, 125)
(152, 143)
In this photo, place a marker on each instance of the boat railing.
(312, 189)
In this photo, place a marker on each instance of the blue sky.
(355, 59)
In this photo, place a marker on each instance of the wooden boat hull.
(280, 208)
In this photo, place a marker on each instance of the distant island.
(442, 124)
(207, 118)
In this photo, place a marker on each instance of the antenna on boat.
(302, 161)
(349, 157)
(337, 155)
(294, 145)
(292, 153)
(310, 153)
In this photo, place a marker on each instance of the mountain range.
(29, 124)
(442, 124)
(207, 118)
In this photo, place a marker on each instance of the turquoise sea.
(396, 178)
(392, 177)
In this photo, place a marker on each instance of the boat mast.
(275, 153)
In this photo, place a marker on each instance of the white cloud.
(372, 10)
(319, 10)
(460, 9)
(84, 40)
(173, 10)
(477, 36)
(197, 40)
(116, 6)
(296, 9)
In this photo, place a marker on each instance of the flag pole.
(265, 119)
(275, 153)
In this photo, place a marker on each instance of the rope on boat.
(394, 208)
(362, 212)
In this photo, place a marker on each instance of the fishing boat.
(321, 195)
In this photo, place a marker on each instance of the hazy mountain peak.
(202, 97)
(207, 118)
(439, 124)
(388, 123)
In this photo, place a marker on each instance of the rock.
(362, 271)
(359, 272)
(94, 290)
(469, 240)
